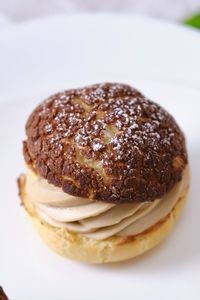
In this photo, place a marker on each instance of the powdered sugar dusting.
(137, 120)
(112, 124)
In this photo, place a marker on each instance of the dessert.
(107, 172)
(2, 294)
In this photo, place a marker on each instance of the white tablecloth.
(21, 10)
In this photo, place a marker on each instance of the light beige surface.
(113, 249)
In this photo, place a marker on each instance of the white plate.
(40, 57)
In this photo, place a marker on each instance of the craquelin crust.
(113, 249)
(106, 142)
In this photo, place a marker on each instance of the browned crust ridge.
(106, 142)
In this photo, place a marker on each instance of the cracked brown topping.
(106, 142)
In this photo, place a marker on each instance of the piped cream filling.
(98, 220)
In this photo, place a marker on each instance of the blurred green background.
(194, 21)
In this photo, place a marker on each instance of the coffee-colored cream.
(98, 220)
